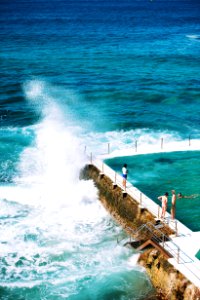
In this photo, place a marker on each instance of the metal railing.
(160, 145)
(152, 207)
(135, 193)
(145, 202)
(152, 231)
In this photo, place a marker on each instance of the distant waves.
(193, 36)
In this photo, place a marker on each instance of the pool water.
(155, 174)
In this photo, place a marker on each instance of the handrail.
(161, 145)
(152, 207)
(143, 200)
(166, 243)
(117, 179)
(133, 191)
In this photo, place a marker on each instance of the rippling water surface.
(85, 73)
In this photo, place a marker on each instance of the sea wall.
(122, 207)
(168, 281)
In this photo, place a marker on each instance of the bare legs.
(124, 183)
(173, 212)
(163, 211)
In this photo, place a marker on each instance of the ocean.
(75, 76)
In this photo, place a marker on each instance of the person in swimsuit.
(173, 207)
(124, 175)
(164, 200)
(180, 195)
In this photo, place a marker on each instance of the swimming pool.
(155, 174)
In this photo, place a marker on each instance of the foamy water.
(76, 78)
(54, 231)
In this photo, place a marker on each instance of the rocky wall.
(169, 282)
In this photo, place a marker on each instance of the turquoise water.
(78, 74)
(57, 241)
(155, 174)
(198, 254)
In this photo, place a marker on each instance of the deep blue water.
(76, 74)
(141, 58)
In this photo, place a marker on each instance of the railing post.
(115, 181)
(163, 240)
(161, 143)
(136, 146)
(91, 158)
(178, 255)
(102, 171)
(108, 148)
(158, 211)
(140, 199)
(176, 227)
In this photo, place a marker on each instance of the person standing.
(164, 200)
(124, 175)
(173, 207)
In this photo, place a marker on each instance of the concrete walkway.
(186, 243)
(192, 145)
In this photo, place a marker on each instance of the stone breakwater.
(169, 282)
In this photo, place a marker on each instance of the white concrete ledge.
(186, 240)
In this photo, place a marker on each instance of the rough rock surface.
(169, 283)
